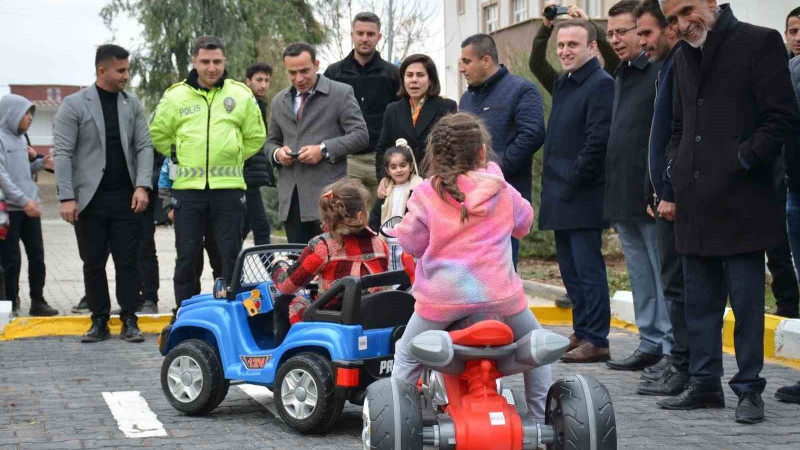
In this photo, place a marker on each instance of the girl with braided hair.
(346, 247)
(459, 226)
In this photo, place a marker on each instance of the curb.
(781, 335)
(29, 327)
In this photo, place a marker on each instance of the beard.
(702, 30)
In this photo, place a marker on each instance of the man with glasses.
(625, 200)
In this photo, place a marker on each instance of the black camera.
(554, 10)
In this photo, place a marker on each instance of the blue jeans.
(643, 260)
(793, 221)
(583, 271)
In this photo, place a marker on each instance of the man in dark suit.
(726, 135)
(375, 83)
(572, 185)
(104, 164)
(510, 106)
(315, 123)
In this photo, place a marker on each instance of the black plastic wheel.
(192, 378)
(582, 415)
(392, 416)
(304, 394)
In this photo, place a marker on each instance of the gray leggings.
(537, 381)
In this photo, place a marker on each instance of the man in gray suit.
(314, 125)
(103, 164)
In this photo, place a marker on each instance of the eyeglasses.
(619, 32)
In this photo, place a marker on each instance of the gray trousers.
(537, 381)
(643, 260)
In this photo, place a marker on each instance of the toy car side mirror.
(220, 288)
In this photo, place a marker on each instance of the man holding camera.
(547, 74)
(315, 123)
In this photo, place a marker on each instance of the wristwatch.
(323, 150)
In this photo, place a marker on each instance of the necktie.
(303, 98)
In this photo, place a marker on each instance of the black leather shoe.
(98, 332)
(789, 394)
(637, 361)
(564, 301)
(750, 409)
(130, 330)
(695, 396)
(39, 307)
(82, 307)
(672, 383)
(657, 368)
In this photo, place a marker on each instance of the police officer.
(210, 124)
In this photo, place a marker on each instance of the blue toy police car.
(328, 358)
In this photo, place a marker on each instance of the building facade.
(46, 98)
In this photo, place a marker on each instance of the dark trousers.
(214, 258)
(108, 222)
(297, 231)
(256, 217)
(515, 251)
(583, 271)
(29, 231)
(784, 280)
(672, 282)
(148, 261)
(225, 209)
(709, 283)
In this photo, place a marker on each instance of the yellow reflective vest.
(214, 131)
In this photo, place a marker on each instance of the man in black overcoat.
(734, 110)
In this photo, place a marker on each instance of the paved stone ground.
(51, 397)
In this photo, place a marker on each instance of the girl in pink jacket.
(459, 226)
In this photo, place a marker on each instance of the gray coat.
(15, 168)
(331, 115)
(79, 136)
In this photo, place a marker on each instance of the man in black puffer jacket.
(257, 169)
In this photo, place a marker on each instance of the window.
(594, 8)
(490, 18)
(520, 8)
(461, 6)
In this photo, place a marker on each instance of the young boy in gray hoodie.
(17, 166)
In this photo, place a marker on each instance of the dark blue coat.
(511, 107)
(661, 131)
(575, 150)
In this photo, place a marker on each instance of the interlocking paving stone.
(51, 397)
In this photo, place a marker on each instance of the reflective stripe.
(189, 172)
(214, 171)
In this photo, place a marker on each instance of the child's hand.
(383, 188)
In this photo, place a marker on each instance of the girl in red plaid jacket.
(346, 247)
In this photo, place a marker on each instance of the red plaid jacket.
(358, 255)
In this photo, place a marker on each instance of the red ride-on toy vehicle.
(461, 404)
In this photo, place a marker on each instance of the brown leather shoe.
(574, 342)
(587, 352)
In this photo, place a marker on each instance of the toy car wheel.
(392, 416)
(580, 410)
(304, 393)
(192, 378)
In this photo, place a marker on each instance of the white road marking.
(261, 395)
(132, 414)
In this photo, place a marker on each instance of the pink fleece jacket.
(466, 268)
